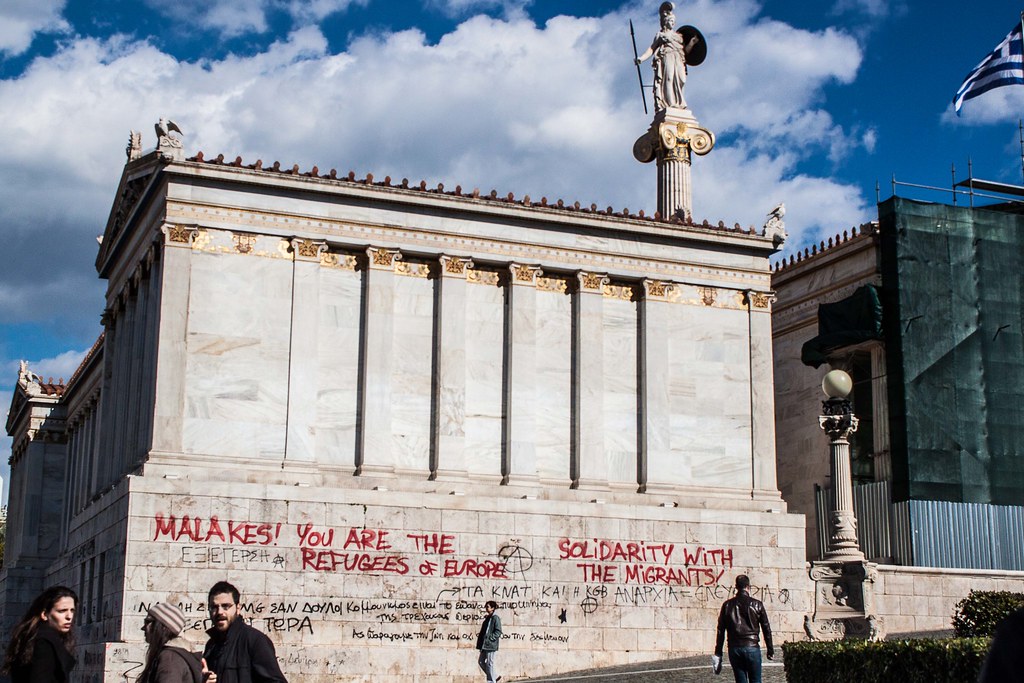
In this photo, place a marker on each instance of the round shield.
(699, 51)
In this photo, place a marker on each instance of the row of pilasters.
(594, 450)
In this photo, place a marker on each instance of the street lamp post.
(838, 422)
(843, 579)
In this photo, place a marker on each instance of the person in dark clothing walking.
(236, 652)
(42, 644)
(742, 617)
(487, 640)
(1005, 660)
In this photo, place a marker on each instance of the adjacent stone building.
(374, 405)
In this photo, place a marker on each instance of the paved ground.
(683, 670)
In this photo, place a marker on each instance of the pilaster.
(175, 273)
(376, 454)
(303, 368)
(655, 420)
(762, 396)
(520, 438)
(590, 469)
(448, 459)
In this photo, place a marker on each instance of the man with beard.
(236, 652)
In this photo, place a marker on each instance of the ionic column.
(673, 136)
(520, 438)
(448, 457)
(656, 466)
(376, 455)
(590, 466)
(303, 368)
(675, 194)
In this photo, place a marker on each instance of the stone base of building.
(364, 584)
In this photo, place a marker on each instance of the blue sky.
(812, 104)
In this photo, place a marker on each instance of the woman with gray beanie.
(169, 659)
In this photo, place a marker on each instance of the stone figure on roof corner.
(134, 148)
(673, 50)
(165, 144)
(774, 227)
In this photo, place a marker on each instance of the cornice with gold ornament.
(356, 233)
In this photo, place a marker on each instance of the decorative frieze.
(552, 284)
(413, 269)
(439, 242)
(483, 277)
(339, 261)
(624, 292)
(243, 242)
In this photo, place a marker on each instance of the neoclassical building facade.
(375, 405)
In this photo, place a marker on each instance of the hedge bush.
(949, 660)
(981, 611)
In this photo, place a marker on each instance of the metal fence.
(926, 533)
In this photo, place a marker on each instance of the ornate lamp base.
(844, 601)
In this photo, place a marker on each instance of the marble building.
(374, 405)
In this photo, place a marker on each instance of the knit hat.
(169, 615)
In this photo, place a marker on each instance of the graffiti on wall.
(580, 577)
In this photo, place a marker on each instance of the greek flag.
(1004, 66)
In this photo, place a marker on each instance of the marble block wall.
(377, 363)
(355, 585)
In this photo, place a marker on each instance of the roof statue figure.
(166, 144)
(672, 50)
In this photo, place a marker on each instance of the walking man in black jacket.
(236, 652)
(742, 617)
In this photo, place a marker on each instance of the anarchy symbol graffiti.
(518, 560)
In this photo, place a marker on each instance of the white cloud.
(61, 366)
(547, 111)
(21, 20)
(461, 8)
(996, 106)
(231, 18)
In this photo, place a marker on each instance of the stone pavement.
(683, 670)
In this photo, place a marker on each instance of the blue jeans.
(746, 664)
(487, 664)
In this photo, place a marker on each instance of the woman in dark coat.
(169, 659)
(42, 644)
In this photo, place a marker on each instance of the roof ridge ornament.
(169, 147)
(134, 148)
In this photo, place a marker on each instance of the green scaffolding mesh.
(953, 291)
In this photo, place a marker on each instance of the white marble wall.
(554, 380)
(709, 394)
(485, 334)
(237, 361)
(338, 360)
(358, 585)
(498, 374)
(621, 384)
(412, 368)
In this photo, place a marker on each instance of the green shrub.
(948, 660)
(980, 612)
